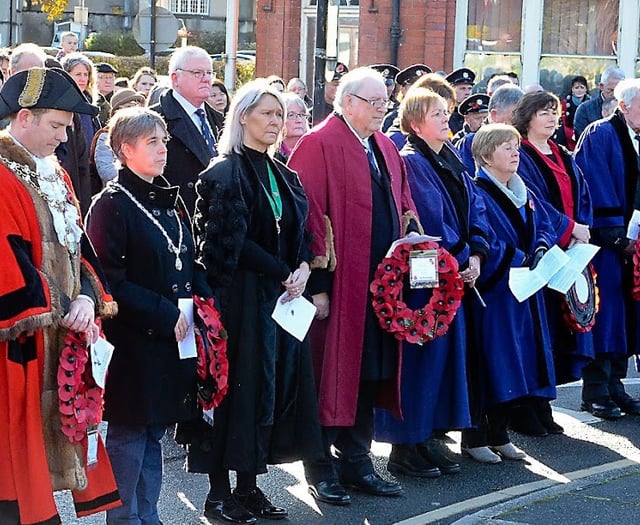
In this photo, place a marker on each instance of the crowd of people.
(125, 199)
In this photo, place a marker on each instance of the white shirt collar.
(186, 105)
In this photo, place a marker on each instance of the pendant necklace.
(171, 247)
(274, 197)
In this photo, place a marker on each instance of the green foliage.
(213, 42)
(245, 71)
(121, 44)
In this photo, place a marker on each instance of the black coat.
(147, 382)
(270, 412)
(187, 151)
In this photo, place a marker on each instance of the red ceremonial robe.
(37, 279)
(334, 171)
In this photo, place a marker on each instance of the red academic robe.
(334, 171)
(37, 272)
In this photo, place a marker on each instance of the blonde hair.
(415, 106)
(489, 138)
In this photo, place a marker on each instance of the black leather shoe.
(604, 408)
(374, 485)
(405, 459)
(228, 510)
(258, 504)
(330, 492)
(628, 404)
(433, 450)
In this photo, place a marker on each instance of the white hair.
(182, 55)
(353, 81)
(627, 90)
(612, 72)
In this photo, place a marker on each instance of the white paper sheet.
(524, 282)
(411, 239)
(579, 256)
(634, 226)
(101, 353)
(187, 347)
(295, 316)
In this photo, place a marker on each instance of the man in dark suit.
(193, 125)
(591, 110)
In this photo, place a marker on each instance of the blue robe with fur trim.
(514, 343)
(609, 162)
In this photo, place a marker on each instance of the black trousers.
(352, 444)
(603, 378)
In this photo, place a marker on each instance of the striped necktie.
(206, 132)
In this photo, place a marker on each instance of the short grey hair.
(291, 99)
(497, 81)
(244, 102)
(612, 72)
(352, 83)
(627, 90)
(183, 54)
(22, 50)
(505, 96)
(128, 125)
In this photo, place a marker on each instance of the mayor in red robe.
(50, 283)
(360, 203)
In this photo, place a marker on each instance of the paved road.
(566, 478)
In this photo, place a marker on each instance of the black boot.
(545, 416)
(523, 418)
(405, 459)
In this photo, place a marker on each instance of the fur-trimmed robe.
(334, 170)
(39, 279)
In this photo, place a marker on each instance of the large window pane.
(580, 27)
(556, 72)
(494, 25)
(486, 65)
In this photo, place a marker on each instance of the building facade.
(544, 41)
(19, 23)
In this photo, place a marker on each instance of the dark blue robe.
(434, 376)
(609, 163)
(514, 343)
(464, 151)
(572, 351)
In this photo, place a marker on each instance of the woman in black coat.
(144, 243)
(250, 223)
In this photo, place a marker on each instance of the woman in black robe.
(250, 223)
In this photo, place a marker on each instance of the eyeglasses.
(198, 73)
(294, 116)
(375, 102)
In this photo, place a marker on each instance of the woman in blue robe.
(434, 376)
(513, 340)
(551, 172)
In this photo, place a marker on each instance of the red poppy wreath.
(79, 397)
(635, 289)
(434, 318)
(212, 365)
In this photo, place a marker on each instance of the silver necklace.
(172, 247)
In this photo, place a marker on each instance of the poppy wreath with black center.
(434, 318)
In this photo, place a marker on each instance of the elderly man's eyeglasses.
(375, 102)
(198, 73)
(295, 116)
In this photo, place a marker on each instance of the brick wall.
(278, 38)
(427, 34)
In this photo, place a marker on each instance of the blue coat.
(434, 376)
(609, 163)
(464, 150)
(572, 351)
(513, 339)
